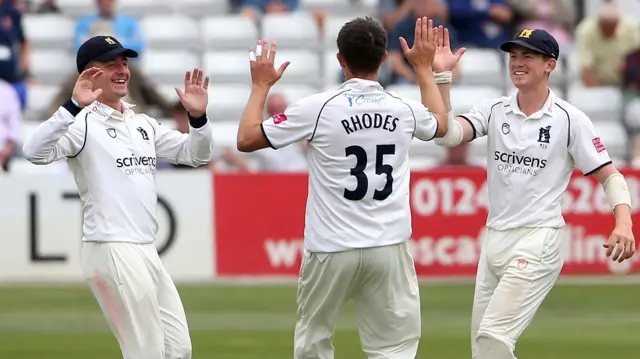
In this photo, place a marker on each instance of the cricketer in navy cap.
(537, 40)
(101, 48)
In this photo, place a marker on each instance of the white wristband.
(454, 134)
(615, 187)
(444, 77)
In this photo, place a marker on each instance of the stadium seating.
(179, 36)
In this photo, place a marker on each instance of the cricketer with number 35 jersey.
(358, 155)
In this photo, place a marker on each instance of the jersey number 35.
(362, 186)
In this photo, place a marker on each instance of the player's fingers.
(97, 74)
(97, 93)
(272, 52)
(427, 32)
(418, 35)
(619, 248)
(629, 249)
(282, 68)
(194, 76)
(206, 83)
(610, 245)
(265, 49)
(199, 78)
(252, 56)
(180, 93)
(259, 50)
(187, 79)
(446, 41)
(404, 45)
(460, 52)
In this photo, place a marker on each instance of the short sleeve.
(298, 122)
(478, 117)
(588, 152)
(426, 121)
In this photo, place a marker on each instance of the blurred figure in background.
(15, 50)
(10, 118)
(108, 23)
(480, 23)
(253, 9)
(602, 44)
(230, 157)
(401, 70)
(393, 11)
(458, 157)
(47, 7)
(287, 159)
(631, 104)
(557, 17)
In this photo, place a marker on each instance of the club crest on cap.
(526, 33)
(110, 41)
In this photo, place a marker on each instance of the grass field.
(247, 322)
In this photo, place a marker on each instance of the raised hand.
(263, 72)
(424, 46)
(83, 91)
(195, 97)
(444, 59)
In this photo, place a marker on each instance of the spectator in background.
(286, 159)
(458, 157)
(179, 114)
(393, 11)
(602, 44)
(10, 118)
(480, 23)
(141, 92)
(557, 17)
(401, 70)
(15, 50)
(253, 9)
(631, 104)
(47, 7)
(107, 23)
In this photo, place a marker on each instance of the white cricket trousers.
(138, 299)
(383, 285)
(516, 271)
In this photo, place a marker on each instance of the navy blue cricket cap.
(537, 40)
(101, 48)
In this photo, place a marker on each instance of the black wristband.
(72, 108)
(197, 122)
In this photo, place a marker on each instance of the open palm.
(444, 59)
(195, 96)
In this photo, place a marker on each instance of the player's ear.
(340, 60)
(384, 58)
(551, 64)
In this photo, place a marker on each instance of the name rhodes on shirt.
(513, 163)
(137, 165)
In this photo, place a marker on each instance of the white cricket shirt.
(358, 158)
(113, 160)
(531, 159)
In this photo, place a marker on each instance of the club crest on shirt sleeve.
(279, 118)
(598, 144)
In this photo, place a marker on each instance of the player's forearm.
(432, 99)
(445, 93)
(43, 145)
(622, 214)
(199, 144)
(249, 131)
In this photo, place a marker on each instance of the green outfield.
(243, 322)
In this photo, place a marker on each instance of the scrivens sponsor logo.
(137, 165)
(514, 163)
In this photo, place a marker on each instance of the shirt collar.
(356, 83)
(547, 108)
(105, 112)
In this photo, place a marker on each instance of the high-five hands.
(422, 53)
(444, 59)
(263, 72)
(195, 97)
(83, 91)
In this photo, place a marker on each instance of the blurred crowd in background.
(599, 42)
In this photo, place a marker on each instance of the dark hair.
(362, 42)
